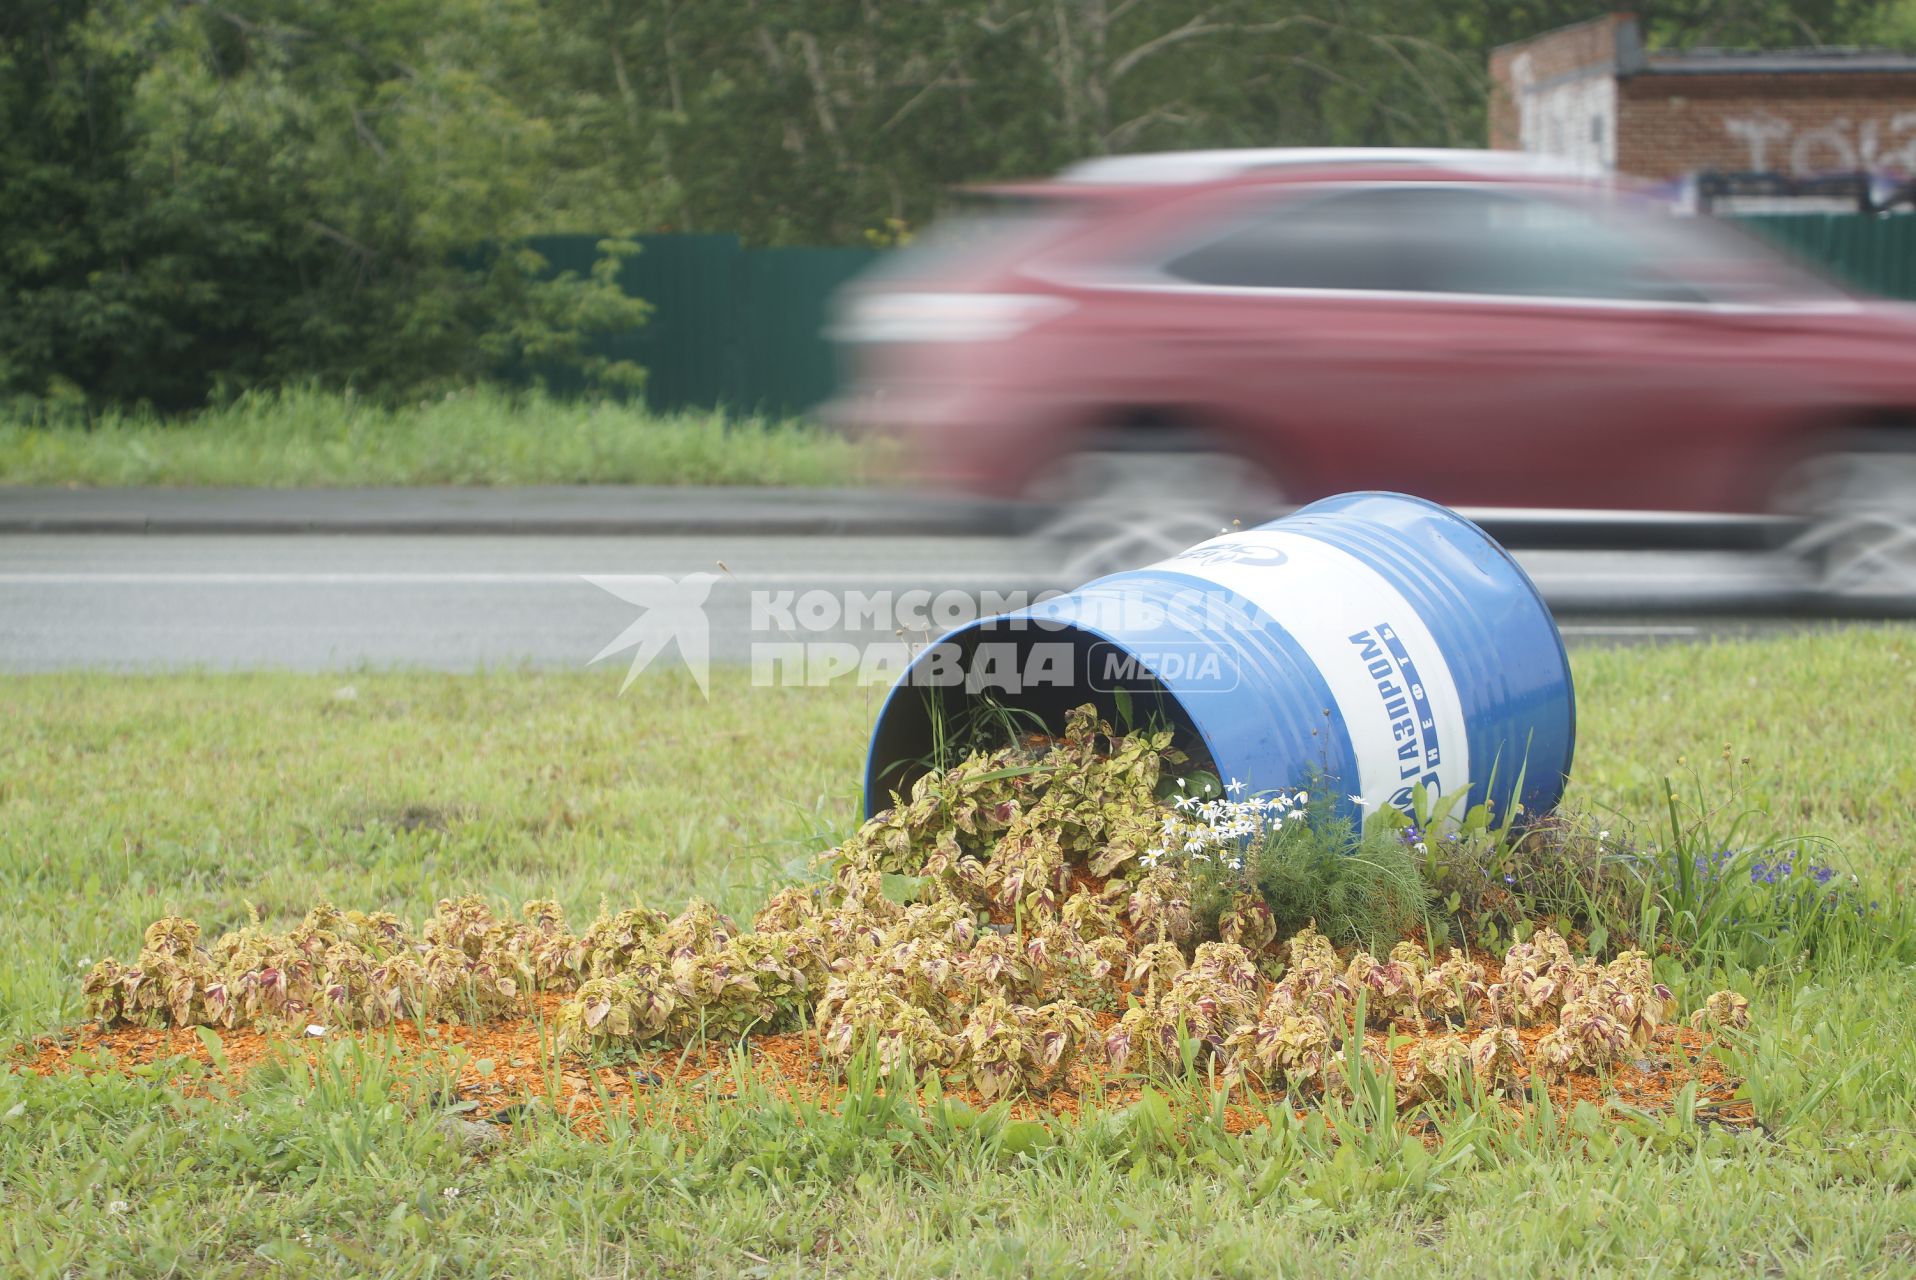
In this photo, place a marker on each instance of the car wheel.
(1121, 509)
(1858, 505)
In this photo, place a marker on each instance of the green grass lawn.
(476, 437)
(123, 798)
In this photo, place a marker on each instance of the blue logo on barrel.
(1233, 553)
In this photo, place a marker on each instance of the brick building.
(1592, 94)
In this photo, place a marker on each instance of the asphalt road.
(317, 602)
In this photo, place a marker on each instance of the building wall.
(1557, 94)
(1588, 94)
(1800, 123)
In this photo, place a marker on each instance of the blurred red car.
(1474, 327)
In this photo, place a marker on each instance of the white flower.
(1421, 847)
(1358, 801)
(1603, 835)
(1234, 786)
(1193, 845)
(450, 1193)
(1303, 797)
(118, 1206)
(1180, 784)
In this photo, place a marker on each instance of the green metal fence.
(742, 327)
(1875, 254)
(730, 325)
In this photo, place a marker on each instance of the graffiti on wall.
(1882, 144)
(1572, 117)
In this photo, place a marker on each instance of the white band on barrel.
(1395, 695)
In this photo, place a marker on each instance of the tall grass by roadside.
(480, 436)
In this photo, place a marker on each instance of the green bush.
(199, 202)
(1368, 892)
(1309, 866)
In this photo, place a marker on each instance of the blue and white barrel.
(1373, 641)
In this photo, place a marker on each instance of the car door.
(1475, 343)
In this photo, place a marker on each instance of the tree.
(827, 120)
(204, 197)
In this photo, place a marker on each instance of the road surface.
(315, 602)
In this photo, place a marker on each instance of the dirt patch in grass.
(503, 1064)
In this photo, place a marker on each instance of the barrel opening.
(1015, 683)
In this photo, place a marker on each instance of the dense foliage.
(199, 199)
(814, 121)
(205, 197)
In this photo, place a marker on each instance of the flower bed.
(1030, 924)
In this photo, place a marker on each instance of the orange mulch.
(508, 1061)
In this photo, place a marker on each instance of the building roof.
(1629, 57)
(1841, 60)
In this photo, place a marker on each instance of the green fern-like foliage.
(1363, 891)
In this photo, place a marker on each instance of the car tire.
(1120, 508)
(1857, 501)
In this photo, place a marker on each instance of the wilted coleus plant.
(1433, 1068)
(1391, 988)
(1159, 906)
(1497, 1059)
(863, 1006)
(612, 942)
(1007, 1047)
(1248, 922)
(1722, 1011)
(1283, 1045)
(1453, 988)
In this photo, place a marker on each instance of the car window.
(1344, 241)
(1432, 238)
(1734, 265)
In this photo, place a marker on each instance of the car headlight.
(940, 317)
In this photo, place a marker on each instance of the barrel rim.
(873, 805)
